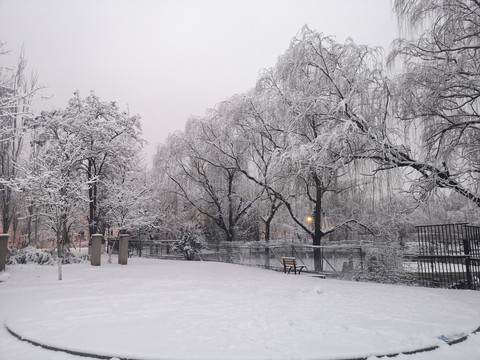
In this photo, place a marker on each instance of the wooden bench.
(291, 263)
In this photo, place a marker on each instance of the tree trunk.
(231, 225)
(65, 239)
(29, 226)
(267, 229)
(59, 254)
(230, 233)
(317, 226)
(92, 197)
(36, 230)
(15, 228)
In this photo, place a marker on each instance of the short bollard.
(95, 257)
(123, 249)
(3, 250)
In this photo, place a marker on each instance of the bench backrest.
(289, 261)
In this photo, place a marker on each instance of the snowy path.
(157, 309)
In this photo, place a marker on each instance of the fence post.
(3, 250)
(123, 249)
(95, 257)
(466, 250)
(267, 257)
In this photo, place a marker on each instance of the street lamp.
(310, 219)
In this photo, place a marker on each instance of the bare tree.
(126, 196)
(51, 178)
(16, 93)
(208, 179)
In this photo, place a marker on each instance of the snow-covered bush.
(191, 241)
(383, 264)
(32, 255)
(69, 258)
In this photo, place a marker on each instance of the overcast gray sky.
(170, 59)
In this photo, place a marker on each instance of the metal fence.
(369, 262)
(449, 256)
(336, 259)
(135, 246)
(160, 249)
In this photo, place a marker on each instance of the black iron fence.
(160, 249)
(449, 256)
(135, 246)
(381, 263)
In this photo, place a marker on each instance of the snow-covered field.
(154, 309)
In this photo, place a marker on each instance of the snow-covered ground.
(154, 309)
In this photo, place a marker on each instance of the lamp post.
(309, 220)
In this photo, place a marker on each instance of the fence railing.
(449, 256)
(368, 262)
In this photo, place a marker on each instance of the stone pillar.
(3, 250)
(95, 257)
(123, 249)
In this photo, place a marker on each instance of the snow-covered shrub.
(69, 258)
(191, 241)
(29, 255)
(32, 255)
(384, 264)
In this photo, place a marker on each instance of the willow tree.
(252, 114)
(317, 92)
(438, 92)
